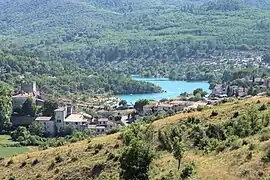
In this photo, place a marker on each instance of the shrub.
(221, 146)
(56, 171)
(188, 170)
(73, 159)
(23, 164)
(12, 178)
(213, 114)
(263, 107)
(265, 137)
(245, 172)
(110, 156)
(59, 158)
(251, 146)
(200, 108)
(236, 144)
(9, 162)
(51, 166)
(35, 162)
(266, 157)
(112, 131)
(96, 151)
(249, 156)
(98, 146)
(235, 114)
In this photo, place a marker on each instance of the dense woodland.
(91, 45)
(59, 78)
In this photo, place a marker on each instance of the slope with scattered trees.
(229, 141)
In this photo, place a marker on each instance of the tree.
(135, 160)
(29, 107)
(66, 130)
(36, 128)
(140, 103)
(20, 134)
(178, 150)
(5, 105)
(49, 107)
(199, 91)
(123, 103)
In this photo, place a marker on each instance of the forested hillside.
(62, 79)
(136, 36)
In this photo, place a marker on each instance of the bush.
(235, 114)
(236, 144)
(35, 162)
(249, 156)
(213, 114)
(188, 170)
(200, 108)
(59, 158)
(266, 157)
(23, 164)
(112, 131)
(9, 162)
(51, 166)
(73, 159)
(263, 107)
(12, 178)
(221, 146)
(252, 146)
(110, 156)
(265, 137)
(98, 146)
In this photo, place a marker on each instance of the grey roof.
(43, 118)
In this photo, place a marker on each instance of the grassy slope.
(79, 158)
(10, 151)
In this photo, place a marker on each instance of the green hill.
(242, 156)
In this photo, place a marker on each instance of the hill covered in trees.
(63, 79)
(136, 37)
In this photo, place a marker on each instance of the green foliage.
(123, 103)
(178, 150)
(36, 128)
(29, 107)
(49, 107)
(188, 170)
(59, 158)
(199, 92)
(140, 103)
(5, 106)
(66, 130)
(263, 107)
(20, 134)
(266, 157)
(135, 160)
(167, 138)
(139, 132)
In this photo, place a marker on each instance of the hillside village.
(115, 113)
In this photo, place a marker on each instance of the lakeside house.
(164, 107)
(240, 90)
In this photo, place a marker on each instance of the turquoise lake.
(172, 88)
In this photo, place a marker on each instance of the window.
(67, 123)
(76, 123)
(58, 121)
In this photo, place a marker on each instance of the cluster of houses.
(230, 90)
(63, 116)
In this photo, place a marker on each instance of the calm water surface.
(172, 88)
